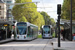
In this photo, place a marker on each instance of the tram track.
(37, 44)
(46, 44)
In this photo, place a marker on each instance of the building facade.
(2, 10)
(9, 8)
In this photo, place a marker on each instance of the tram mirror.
(13, 25)
(13, 21)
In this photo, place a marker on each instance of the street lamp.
(59, 15)
(71, 21)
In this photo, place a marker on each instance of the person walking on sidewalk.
(63, 34)
(74, 37)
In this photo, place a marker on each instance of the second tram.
(47, 31)
(26, 31)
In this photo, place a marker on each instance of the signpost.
(59, 15)
(71, 21)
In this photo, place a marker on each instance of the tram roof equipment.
(4, 21)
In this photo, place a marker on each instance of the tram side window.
(73, 29)
(29, 30)
(33, 31)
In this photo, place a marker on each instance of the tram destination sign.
(21, 24)
(5, 25)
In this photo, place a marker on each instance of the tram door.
(6, 32)
(3, 32)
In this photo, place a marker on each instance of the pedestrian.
(74, 37)
(4, 32)
(9, 33)
(0, 35)
(64, 33)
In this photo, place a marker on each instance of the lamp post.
(71, 21)
(59, 15)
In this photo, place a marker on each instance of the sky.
(51, 7)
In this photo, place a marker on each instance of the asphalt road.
(37, 44)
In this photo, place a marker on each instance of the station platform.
(6, 40)
(64, 45)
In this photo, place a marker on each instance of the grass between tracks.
(53, 35)
(40, 36)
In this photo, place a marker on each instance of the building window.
(2, 17)
(0, 7)
(0, 12)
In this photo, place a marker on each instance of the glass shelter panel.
(73, 29)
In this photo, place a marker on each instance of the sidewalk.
(6, 40)
(65, 45)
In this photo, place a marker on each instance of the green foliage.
(46, 17)
(40, 36)
(52, 22)
(24, 13)
(48, 20)
(23, 19)
(39, 21)
(66, 9)
(53, 35)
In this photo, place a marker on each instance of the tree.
(46, 17)
(24, 14)
(48, 20)
(52, 22)
(39, 21)
(20, 10)
(66, 10)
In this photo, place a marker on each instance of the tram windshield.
(46, 29)
(21, 30)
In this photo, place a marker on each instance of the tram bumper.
(24, 39)
(47, 37)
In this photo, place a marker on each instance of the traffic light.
(59, 9)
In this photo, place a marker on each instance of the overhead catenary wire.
(20, 3)
(36, 7)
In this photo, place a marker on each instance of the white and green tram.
(26, 31)
(46, 31)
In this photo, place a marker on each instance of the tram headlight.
(17, 36)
